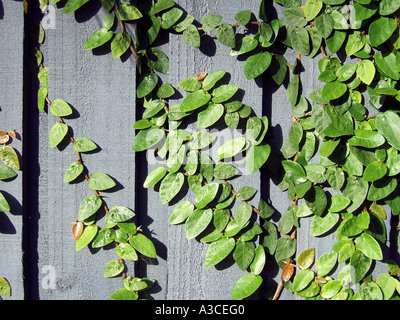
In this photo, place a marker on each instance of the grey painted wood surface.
(102, 92)
(11, 105)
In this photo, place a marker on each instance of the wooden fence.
(38, 255)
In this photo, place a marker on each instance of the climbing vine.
(339, 167)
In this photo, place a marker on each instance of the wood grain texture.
(11, 111)
(101, 91)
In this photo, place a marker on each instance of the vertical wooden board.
(11, 106)
(101, 90)
(181, 272)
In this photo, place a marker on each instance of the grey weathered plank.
(181, 272)
(102, 92)
(11, 106)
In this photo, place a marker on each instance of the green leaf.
(246, 193)
(73, 5)
(294, 171)
(326, 263)
(161, 6)
(124, 294)
(5, 288)
(73, 172)
(366, 138)
(192, 36)
(387, 284)
(324, 25)
(145, 139)
(83, 144)
(302, 279)
(245, 286)
(369, 246)
(285, 248)
(165, 91)
(120, 213)
(6, 173)
(224, 171)
(87, 236)
(197, 222)
(9, 157)
(243, 17)
(386, 63)
(375, 171)
(370, 291)
(333, 90)
(256, 64)
(143, 244)
(57, 134)
(231, 148)
(170, 186)
(127, 252)
(154, 176)
(157, 60)
(147, 84)
(387, 7)
(322, 224)
(331, 288)
(98, 38)
(170, 17)
(366, 71)
(113, 268)
(190, 84)
(4, 206)
(195, 100)
(306, 258)
(381, 30)
(183, 210)
(218, 251)
(210, 115)
(210, 22)
(128, 12)
(206, 194)
(244, 254)
(89, 206)
(100, 181)
(356, 190)
(226, 35)
(212, 78)
(104, 237)
(388, 125)
(300, 40)
(60, 108)
(256, 156)
(338, 203)
(258, 263)
(312, 8)
(224, 92)
(120, 44)
(360, 264)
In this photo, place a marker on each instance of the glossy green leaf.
(195, 100)
(197, 222)
(145, 139)
(206, 194)
(387, 284)
(245, 286)
(147, 84)
(100, 181)
(60, 108)
(183, 210)
(338, 203)
(171, 17)
(57, 134)
(312, 8)
(218, 251)
(210, 22)
(104, 237)
(246, 193)
(124, 294)
(98, 38)
(170, 186)
(360, 264)
(83, 144)
(143, 244)
(89, 206)
(300, 40)
(333, 90)
(306, 258)
(244, 254)
(120, 44)
(331, 288)
(322, 224)
(258, 263)
(73, 5)
(356, 190)
(157, 60)
(4, 205)
(113, 268)
(6, 172)
(244, 45)
(224, 171)
(243, 17)
(89, 232)
(388, 125)
(226, 35)
(366, 139)
(369, 246)
(326, 263)
(5, 288)
(128, 12)
(375, 171)
(192, 36)
(387, 7)
(190, 84)
(210, 115)
(302, 279)
(257, 156)
(257, 64)
(370, 291)
(120, 213)
(154, 176)
(230, 148)
(127, 252)
(366, 71)
(380, 30)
